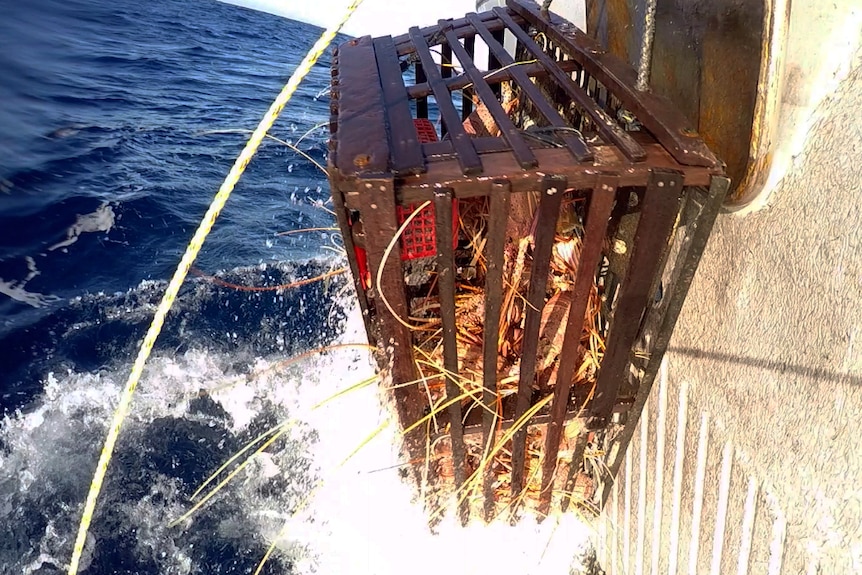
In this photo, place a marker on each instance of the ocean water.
(118, 122)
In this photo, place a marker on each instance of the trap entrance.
(569, 211)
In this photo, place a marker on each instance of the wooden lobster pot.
(553, 144)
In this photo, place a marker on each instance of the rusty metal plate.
(712, 60)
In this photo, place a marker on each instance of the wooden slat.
(552, 191)
(421, 99)
(404, 43)
(447, 173)
(380, 226)
(493, 62)
(498, 216)
(404, 148)
(574, 143)
(574, 467)
(523, 155)
(467, 93)
(446, 70)
(362, 145)
(601, 203)
(446, 281)
(606, 125)
(468, 158)
(343, 217)
(657, 114)
(494, 77)
(659, 210)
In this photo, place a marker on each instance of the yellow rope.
(182, 270)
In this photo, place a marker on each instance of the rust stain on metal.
(616, 37)
(362, 160)
(709, 59)
(729, 89)
(619, 37)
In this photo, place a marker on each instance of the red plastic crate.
(419, 239)
(425, 130)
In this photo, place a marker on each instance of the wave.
(93, 332)
(215, 382)
(176, 435)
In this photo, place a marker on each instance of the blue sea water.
(118, 122)
(113, 118)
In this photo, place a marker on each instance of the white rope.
(646, 46)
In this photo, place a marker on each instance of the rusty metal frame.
(377, 163)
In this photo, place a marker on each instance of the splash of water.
(195, 410)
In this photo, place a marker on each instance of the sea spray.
(369, 519)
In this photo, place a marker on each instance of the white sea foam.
(49, 451)
(102, 220)
(15, 289)
(361, 520)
